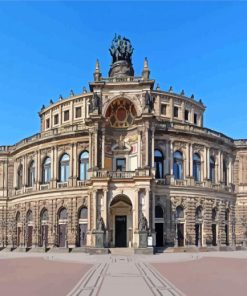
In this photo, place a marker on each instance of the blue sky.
(48, 48)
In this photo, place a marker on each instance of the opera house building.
(123, 164)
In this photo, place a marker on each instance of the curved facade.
(119, 163)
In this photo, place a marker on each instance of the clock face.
(121, 113)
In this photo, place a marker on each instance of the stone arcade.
(120, 163)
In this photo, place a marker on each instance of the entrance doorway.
(62, 235)
(180, 234)
(159, 229)
(198, 233)
(29, 236)
(214, 235)
(82, 235)
(120, 222)
(227, 234)
(121, 231)
(44, 235)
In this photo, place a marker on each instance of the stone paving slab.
(207, 276)
(38, 277)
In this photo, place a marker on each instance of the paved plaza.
(168, 274)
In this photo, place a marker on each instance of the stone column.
(171, 157)
(152, 151)
(167, 159)
(191, 160)
(90, 161)
(230, 178)
(139, 157)
(75, 164)
(103, 149)
(219, 160)
(136, 210)
(147, 147)
(205, 163)
(25, 171)
(187, 173)
(96, 148)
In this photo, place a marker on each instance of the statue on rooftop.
(121, 49)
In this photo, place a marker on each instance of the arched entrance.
(44, 228)
(121, 222)
(62, 228)
(29, 229)
(159, 226)
(82, 227)
(18, 229)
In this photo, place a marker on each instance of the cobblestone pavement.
(147, 274)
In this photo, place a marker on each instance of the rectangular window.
(48, 123)
(66, 115)
(163, 109)
(120, 164)
(186, 115)
(195, 118)
(56, 119)
(77, 112)
(175, 111)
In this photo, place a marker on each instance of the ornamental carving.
(179, 145)
(198, 148)
(121, 113)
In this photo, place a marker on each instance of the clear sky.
(48, 48)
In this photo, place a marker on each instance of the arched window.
(179, 212)
(212, 169)
(46, 170)
(214, 214)
(159, 164)
(20, 177)
(199, 213)
(62, 215)
(31, 174)
(224, 172)
(83, 213)
(83, 166)
(44, 215)
(64, 168)
(29, 216)
(197, 167)
(178, 165)
(159, 212)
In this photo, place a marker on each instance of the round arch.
(121, 113)
(121, 221)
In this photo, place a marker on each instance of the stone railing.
(44, 186)
(120, 174)
(169, 180)
(62, 184)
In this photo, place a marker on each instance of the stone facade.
(119, 163)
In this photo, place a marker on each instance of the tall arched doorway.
(121, 222)
(159, 226)
(18, 229)
(82, 227)
(62, 227)
(44, 228)
(29, 229)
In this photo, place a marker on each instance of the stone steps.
(58, 250)
(122, 251)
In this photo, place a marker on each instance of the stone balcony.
(190, 182)
(120, 174)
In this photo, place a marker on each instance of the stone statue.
(100, 224)
(143, 223)
(95, 103)
(149, 101)
(121, 49)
